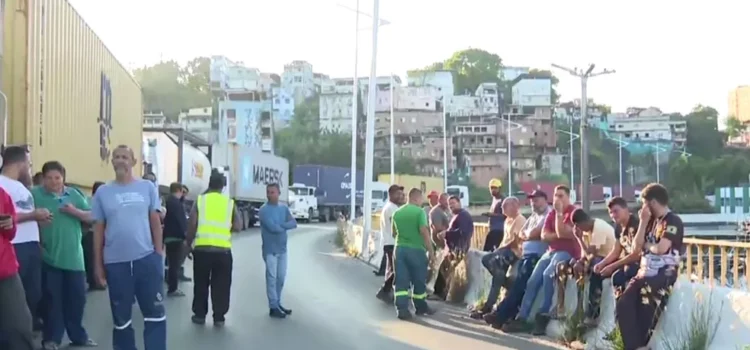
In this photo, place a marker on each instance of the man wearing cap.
(440, 217)
(497, 219)
(433, 198)
(395, 199)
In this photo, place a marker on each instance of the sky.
(668, 54)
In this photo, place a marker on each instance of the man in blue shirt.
(128, 253)
(275, 221)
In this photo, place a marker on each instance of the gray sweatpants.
(16, 329)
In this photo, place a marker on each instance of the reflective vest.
(214, 221)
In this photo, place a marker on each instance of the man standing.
(15, 319)
(275, 221)
(558, 231)
(439, 221)
(64, 266)
(175, 228)
(126, 212)
(597, 241)
(622, 262)
(412, 239)
(499, 261)
(497, 219)
(533, 248)
(395, 195)
(16, 172)
(212, 220)
(639, 307)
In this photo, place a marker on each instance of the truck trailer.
(323, 192)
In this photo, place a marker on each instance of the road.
(332, 297)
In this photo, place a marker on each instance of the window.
(286, 100)
(276, 101)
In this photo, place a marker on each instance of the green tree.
(470, 67)
(170, 88)
(704, 139)
(733, 126)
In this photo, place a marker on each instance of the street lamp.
(508, 129)
(445, 142)
(620, 145)
(370, 134)
(393, 162)
(584, 76)
(658, 150)
(573, 137)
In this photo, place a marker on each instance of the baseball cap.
(538, 194)
(433, 193)
(395, 188)
(496, 183)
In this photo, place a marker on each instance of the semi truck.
(248, 171)
(161, 157)
(322, 192)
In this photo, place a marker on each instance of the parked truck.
(322, 192)
(161, 157)
(249, 171)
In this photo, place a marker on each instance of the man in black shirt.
(621, 268)
(175, 227)
(640, 305)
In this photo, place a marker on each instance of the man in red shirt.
(563, 245)
(15, 317)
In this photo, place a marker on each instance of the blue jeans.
(65, 296)
(141, 280)
(543, 276)
(29, 256)
(276, 265)
(508, 307)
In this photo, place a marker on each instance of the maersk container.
(251, 170)
(333, 183)
(68, 98)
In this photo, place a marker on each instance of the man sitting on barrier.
(458, 239)
(640, 305)
(597, 240)
(509, 251)
(622, 262)
(558, 231)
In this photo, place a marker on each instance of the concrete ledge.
(731, 308)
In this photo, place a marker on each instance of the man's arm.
(97, 212)
(154, 219)
(563, 230)
(81, 209)
(236, 220)
(267, 223)
(192, 225)
(290, 223)
(672, 233)
(425, 232)
(10, 210)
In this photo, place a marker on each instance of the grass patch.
(342, 239)
(614, 337)
(459, 281)
(574, 328)
(699, 330)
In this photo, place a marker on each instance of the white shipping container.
(251, 170)
(161, 152)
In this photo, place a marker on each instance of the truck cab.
(462, 192)
(302, 202)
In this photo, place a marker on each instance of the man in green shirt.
(411, 230)
(64, 268)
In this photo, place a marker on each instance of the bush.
(614, 338)
(699, 331)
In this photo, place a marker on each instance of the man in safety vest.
(212, 221)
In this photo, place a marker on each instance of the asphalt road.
(332, 297)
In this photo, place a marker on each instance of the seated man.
(640, 305)
(597, 241)
(558, 231)
(457, 239)
(622, 262)
(509, 251)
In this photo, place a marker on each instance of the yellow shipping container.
(424, 183)
(69, 99)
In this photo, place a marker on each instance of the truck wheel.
(309, 215)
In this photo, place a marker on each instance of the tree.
(734, 127)
(470, 67)
(543, 73)
(170, 88)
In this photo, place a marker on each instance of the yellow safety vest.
(214, 221)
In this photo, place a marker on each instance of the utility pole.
(370, 130)
(584, 76)
(355, 120)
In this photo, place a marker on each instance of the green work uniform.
(61, 239)
(410, 258)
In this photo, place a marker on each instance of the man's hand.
(7, 223)
(607, 271)
(645, 213)
(68, 209)
(579, 267)
(578, 232)
(101, 277)
(42, 215)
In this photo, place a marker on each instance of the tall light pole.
(510, 151)
(620, 145)
(355, 98)
(573, 136)
(393, 161)
(584, 76)
(445, 142)
(370, 134)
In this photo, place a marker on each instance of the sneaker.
(490, 318)
(288, 312)
(276, 313)
(426, 311)
(198, 320)
(515, 326)
(89, 343)
(219, 322)
(175, 294)
(404, 315)
(540, 324)
(478, 314)
(184, 278)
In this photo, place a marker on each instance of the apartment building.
(336, 100)
(739, 103)
(199, 121)
(442, 80)
(283, 107)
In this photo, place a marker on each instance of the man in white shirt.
(15, 173)
(395, 199)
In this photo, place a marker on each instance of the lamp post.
(508, 129)
(573, 136)
(584, 76)
(445, 142)
(620, 145)
(393, 161)
(370, 134)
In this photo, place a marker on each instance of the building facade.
(283, 107)
(199, 121)
(442, 80)
(299, 79)
(739, 103)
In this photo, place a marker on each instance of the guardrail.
(715, 262)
